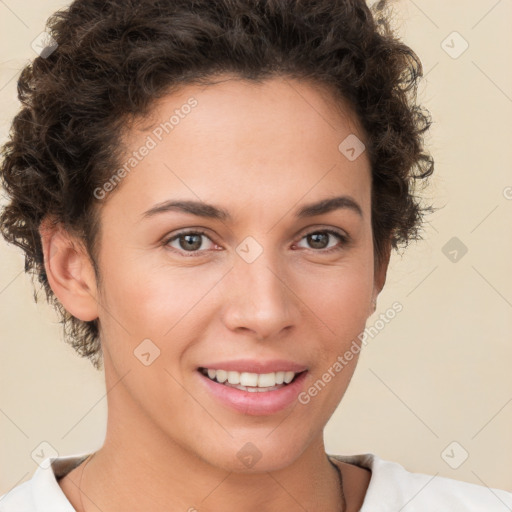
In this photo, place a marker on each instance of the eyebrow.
(206, 210)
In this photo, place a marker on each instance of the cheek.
(129, 299)
(144, 298)
(140, 291)
(340, 303)
(341, 297)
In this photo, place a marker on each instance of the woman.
(209, 193)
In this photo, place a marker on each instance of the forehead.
(235, 105)
(275, 141)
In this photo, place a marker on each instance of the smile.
(252, 392)
(252, 382)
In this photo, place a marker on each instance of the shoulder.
(392, 488)
(18, 498)
(42, 493)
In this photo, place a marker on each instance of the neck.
(173, 480)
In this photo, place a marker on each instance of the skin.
(259, 151)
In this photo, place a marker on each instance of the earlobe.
(380, 275)
(69, 271)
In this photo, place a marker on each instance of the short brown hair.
(115, 57)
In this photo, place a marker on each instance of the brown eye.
(188, 241)
(319, 240)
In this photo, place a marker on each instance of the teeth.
(220, 375)
(233, 377)
(250, 381)
(288, 377)
(266, 380)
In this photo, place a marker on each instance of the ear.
(380, 273)
(69, 270)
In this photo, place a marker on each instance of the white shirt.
(392, 489)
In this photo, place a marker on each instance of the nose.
(260, 300)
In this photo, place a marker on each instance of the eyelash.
(342, 238)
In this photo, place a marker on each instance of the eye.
(188, 241)
(191, 241)
(320, 239)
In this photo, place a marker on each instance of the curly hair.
(112, 59)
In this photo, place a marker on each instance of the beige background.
(438, 372)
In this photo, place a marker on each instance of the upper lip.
(256, 366)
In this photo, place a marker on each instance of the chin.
(257, 453)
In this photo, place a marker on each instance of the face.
(264, 285)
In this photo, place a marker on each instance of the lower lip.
(259, 403)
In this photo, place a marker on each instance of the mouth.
(251, 387)
(251, 382)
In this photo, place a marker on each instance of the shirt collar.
(47, 495)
